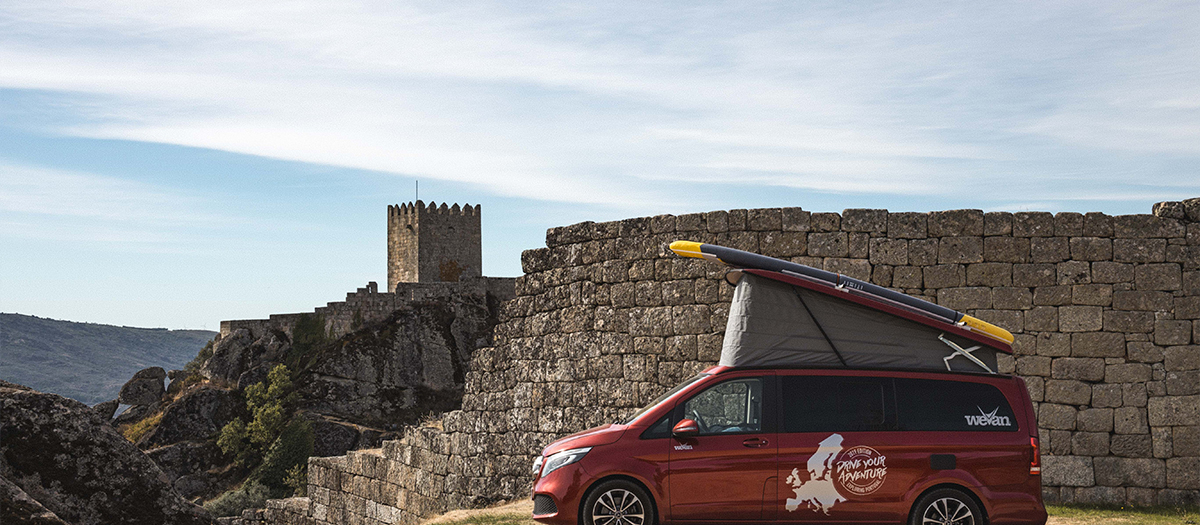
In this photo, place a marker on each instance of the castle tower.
(433, 244)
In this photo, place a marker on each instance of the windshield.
(664, 397)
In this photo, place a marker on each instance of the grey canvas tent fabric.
(775, 324)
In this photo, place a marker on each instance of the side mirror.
(686, 428)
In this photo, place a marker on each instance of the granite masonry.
(1105, 311)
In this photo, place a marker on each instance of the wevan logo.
(988, 419)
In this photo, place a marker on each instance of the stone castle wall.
(368, 305)
(433, 244)
(1105, 311)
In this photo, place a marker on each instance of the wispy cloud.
(588, 103)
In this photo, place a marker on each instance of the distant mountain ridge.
(86, 361)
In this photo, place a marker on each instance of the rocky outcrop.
(196, 415)
(230, 356)
(59, 454)
(107, 409)
(145, 388)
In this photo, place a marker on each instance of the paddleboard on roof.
(789, 314)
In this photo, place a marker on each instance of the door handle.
(754, 442)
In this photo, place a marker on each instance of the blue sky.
(178, 163)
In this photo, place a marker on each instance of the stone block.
(1174, 411)
(1006, 249)
(889, 251)
(1068, 392)
(856, 268)
(1130, 472)
(1134, 395)
(1161, 442)
(826, 222)
(1079, 368)
(1030, 275)
(795, 220)
(1111, 272)
(967, 298)
(1121, 321)
(1187, 307)
(1131, 446)
(907, 225)
(1183, 473)
(945, 276)
(783, 245)
(1170, 332)
(1067, 471)
(1127, 373)
(1080, 318)
(864, 220)
(1106, 396)
(1185, 441)
(989, 274)
(960, 250)
(1052, 296)
(1107, 496)
(955, 223)
(1053, 344)
(1183, 383)
(1068, 224)
(1143, 352)
(1089, 443)
(1139, 250)
(1033, 224)
(1097, 344)
(1056, 417)
(1012, 298)
(1049, 249)
(1130, 420)
(1145, 225)
(1092, 294)
(1033, 366)
(1074, 272)
(1042, 319)
(1163, 276)
(907, 277)
(997, 223)
(764, 219)
(1091, 249)
(1096, 224)
(1142, 301)
(830, 244)
(922, 252)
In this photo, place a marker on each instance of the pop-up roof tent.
(787, 314)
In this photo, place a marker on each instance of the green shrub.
(248, 496)
(297, 480)
(289, 451)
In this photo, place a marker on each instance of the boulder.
(254, 376)
(229, 356)
(186, 457)
(136, 413)
(107, 409)
(145, 388)
(17, 507)
(67, 459)
(196, 415)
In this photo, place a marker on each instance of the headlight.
(564, 458)
(537, 464)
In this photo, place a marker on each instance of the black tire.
(946, 507)
(618, 502)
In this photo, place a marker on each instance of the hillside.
(84, 361)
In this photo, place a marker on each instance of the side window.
(729, 407)
(836, 404)
(660, 429)
(952, 405)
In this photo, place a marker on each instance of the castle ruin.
(433, 244)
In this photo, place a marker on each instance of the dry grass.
(135, 431)
(518, 514)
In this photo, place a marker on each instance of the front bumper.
(558, 495)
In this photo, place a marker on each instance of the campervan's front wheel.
(618, 502)
(946, 507)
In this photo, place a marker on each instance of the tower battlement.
(432, 243)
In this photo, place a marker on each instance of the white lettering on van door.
(988, 419)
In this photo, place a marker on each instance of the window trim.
(769, 408)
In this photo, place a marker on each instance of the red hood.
(588, 438)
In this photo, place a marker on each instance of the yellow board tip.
(687, 249)
(989, 329)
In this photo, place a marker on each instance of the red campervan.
(835, 401)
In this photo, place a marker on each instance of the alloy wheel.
(948, 511)
(618, 507)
